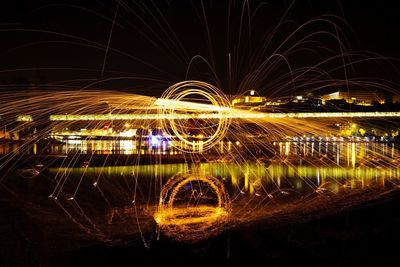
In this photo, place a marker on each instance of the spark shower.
(190, 121)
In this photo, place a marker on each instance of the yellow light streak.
(232, 114)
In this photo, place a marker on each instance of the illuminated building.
(356, 97)
(251, 97)
(396, 99)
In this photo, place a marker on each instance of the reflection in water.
(246, 178)
(141, 193)
(186, 211)
(88, 146)
(128, 147)
(343, 153)
(109, 200)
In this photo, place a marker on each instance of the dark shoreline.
(364, 233)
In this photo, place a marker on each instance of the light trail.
(208, 111)
(232, 113)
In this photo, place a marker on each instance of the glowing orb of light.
(196, 220)
(195, 97)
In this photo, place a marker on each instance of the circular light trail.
(186, 222)
(195, 97)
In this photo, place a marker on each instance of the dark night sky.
(151, 58)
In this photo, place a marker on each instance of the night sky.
(62, 44)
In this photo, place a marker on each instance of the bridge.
(232, 114)
(182, 110)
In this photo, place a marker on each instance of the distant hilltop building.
(356, 97)
(251, 97)
(396, 99)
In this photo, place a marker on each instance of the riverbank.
(361, 234)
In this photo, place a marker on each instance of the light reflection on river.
(350, 152)
(301, 166)
(109, 199)
(244, 179)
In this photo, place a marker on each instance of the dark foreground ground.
(366, 234)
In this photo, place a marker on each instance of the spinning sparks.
(241, 132)
(199, 91)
